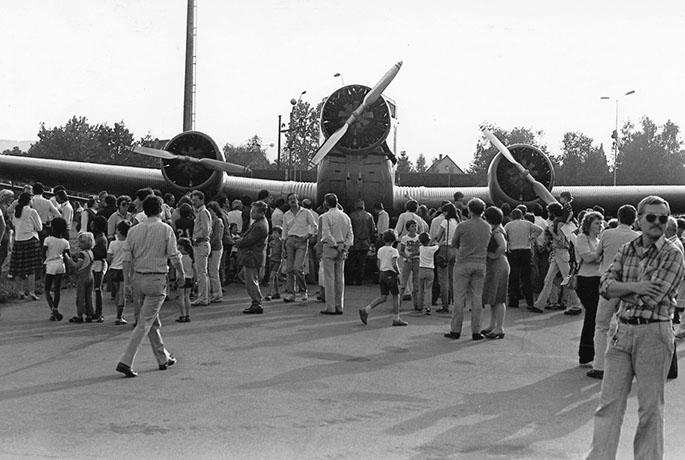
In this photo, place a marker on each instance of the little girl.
(81, 266)
(99, 228)
(54, 247)
(186, 285)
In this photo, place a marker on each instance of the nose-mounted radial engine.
(358, 165)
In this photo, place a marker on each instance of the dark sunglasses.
(652, 217)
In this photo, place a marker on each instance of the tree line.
(647, 154)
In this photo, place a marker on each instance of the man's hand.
(647, 288)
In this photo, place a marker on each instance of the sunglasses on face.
(652, 217)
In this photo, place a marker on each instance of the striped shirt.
(634, 262)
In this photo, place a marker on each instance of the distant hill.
(6, 144)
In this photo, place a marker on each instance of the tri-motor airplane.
(354, 162)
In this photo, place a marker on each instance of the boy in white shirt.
(426, 276)
(387, 267)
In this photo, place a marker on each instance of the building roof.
(444, 165)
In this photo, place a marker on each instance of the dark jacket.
(252, 247)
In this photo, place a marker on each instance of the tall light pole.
(615, 133)
(281, 130)
(338, 74)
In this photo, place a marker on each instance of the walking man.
(337, 238)
(147, 248)
(252, 254)
(298, 226)
(471, 240)
(202, 230)
(645, 275)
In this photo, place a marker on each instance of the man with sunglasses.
(645, 274)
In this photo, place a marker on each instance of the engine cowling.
(186, 176)
(507, 185)
(368, 131)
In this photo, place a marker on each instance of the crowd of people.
(463, 256)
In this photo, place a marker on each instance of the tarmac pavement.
(294, 384)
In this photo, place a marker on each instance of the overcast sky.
(538, 64)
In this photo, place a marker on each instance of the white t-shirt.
(54, 263)
(426, 254)
(116, 249)
(385, 255)
(411, 245)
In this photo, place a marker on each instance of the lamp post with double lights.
(281, 130)
(339, 75)
(614, 135)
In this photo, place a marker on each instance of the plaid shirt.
(661, 261)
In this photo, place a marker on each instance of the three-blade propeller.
(209, 163)
(539, 189)
(371, 97)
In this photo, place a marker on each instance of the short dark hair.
(331, 200)
(59, 228)
(493, 215)
(99, 225)
(198, 193)
(554, 210)
(123, 199)
(530, 217)
(62, 195)
(214, 207)
(123, 227)
(627, 214)
(389, 236)
(263, 194)
(476, 206)
(599, 209)
(409, 223)
(458, 196)
(260, 206)
(411, 206)
(152, 205)
(38, 188)
(378, 206)
(143, 193)
(516, 214)
(424, 238)
(449, 210)
(110, 200)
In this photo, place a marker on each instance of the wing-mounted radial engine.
(186, 174)
(507, 184)
(358, 166)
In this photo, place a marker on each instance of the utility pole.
(189, 83)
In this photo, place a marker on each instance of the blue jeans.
(296, 256)
(642, 351)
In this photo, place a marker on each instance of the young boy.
(426, 267)
(387, 266)
(115, 259)
(409, 251)
(275, 254)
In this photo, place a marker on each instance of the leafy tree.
(486, 152)
(302, 137)
(16, 151)
(404, 163)
(250, 154)
(78, 140)
(421, 164)
(581, 162)
(596, 168)
(651, 155)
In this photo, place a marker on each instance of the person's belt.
(151, 273)
(200, 240)
(298, 236)
(640, 320)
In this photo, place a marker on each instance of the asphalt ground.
(293, 383)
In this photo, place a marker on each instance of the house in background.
(444, 165)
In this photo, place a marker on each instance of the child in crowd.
(99, 228)
(234, 268)
(186, 285)
(387, 257)
(275, 254)
(54, 247)
(409, 251)
(115, 258)
(81, 265)
(426, 267)
(566, 199)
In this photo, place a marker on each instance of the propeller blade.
(540, 190)
(218, 165)
(371, 97)
(328, 145)
(502, 149)
(163, 154)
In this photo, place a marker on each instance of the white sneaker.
(305, 297)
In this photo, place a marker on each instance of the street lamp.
(338, 74)
(615, 133)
